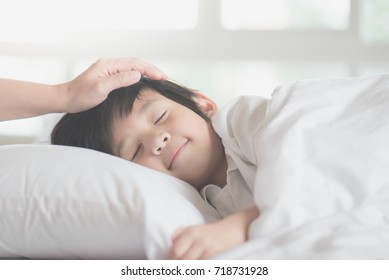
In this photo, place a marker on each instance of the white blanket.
(322, 184)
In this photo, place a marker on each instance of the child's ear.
(206, 104)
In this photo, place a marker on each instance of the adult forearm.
(21, 99)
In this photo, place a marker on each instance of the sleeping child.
(175, 130)
(302, 175)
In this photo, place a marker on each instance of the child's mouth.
(176, 154)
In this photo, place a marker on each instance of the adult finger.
(135, 64)
(119, 80)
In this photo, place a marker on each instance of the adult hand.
(23, 99)
(92, 86)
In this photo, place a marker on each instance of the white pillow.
(61, 202)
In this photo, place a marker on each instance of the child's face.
(166, 136)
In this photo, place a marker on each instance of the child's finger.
(177, 233)
(195, 252)
(181, 244)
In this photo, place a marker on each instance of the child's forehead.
(146, 98)
(149, 93)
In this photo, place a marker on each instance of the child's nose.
(160, 142)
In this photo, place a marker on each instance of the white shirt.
(238, 124)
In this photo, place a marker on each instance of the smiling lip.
(176, 153)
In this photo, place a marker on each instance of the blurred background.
(224, 48)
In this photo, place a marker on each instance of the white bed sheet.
(322, 184)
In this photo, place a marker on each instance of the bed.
(322, 188)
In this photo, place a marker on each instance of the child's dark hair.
(92, 128)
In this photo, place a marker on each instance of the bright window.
(51, 20)
(224, 80)
(223, 48)
(285, 14)
(132, 14)
(375, 21)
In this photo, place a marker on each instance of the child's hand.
(204, 241)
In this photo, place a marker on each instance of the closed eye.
(160, 118)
